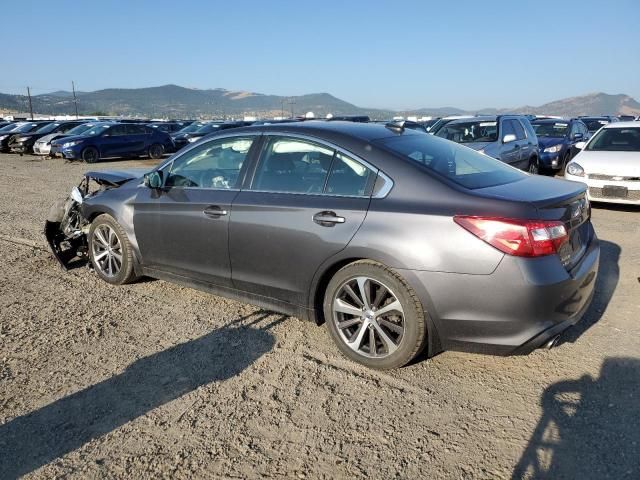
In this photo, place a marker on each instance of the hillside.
(176, 101)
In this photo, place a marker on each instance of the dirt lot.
(155, 380)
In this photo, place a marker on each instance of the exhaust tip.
(552, 342)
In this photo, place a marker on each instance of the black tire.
(90, 155)
(126, 272)
(565, 159)
(534, 166)
(414, 335)
(156, 151)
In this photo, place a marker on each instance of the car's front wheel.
(110, 251)
(534, 166)
(90, 155)
(374, 316)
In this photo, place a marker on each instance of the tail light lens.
(522, 238)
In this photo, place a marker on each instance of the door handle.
(327, 218)
(214, 211)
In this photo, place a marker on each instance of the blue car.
(114, 140)
(556, 141)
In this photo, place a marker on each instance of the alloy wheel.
(369, 317)
(107, 250)
(533, 167)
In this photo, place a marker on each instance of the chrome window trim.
(384, 191)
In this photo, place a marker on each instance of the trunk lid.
(554, 199)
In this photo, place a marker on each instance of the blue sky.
(389, 54)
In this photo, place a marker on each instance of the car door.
(137, 139)
(509, 151)
(303, 203)
(525, 143)
(113, 141)
(182, 228)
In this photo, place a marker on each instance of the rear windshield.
(616, 140)
(461, 165)
(470, 132)
(593, 125)
(549, 129)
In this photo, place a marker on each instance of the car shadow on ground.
(590, 428)
(33, 440)
(606, 284)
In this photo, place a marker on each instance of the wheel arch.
(326, 273)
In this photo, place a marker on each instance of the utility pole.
(292, 102)
(75, 100)
(30, 104)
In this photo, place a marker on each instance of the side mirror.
(509, 138)
(580, 145)
(153, 180)
(577, 136)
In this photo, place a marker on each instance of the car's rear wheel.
(374, 316)
(110, 251)
(534, 166)
(565, 160)
(90, 155)
(156, 151)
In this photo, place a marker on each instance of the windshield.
(48, 128)
(11, 127)
(27, 127)
(594, 125)
(459, 164)
(470, 132)
(95, 130)
(616, 140)
(551, 129)
(190, 128)
(80, 129)
(208, 128)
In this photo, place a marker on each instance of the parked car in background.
(181, 137)
(609, 163)
(329, 220)
(556, 141)
(508, 138)
(430, 123)
(596, 123)
(170, 127)
(116, 140)
(206, 129)
(626, 118)
(24, 143)
(16, 129)
(44, 145)
(435, 128)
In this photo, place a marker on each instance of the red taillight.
(523, 238)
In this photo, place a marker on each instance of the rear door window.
(349, 177)
(292, 165)
(507, 128)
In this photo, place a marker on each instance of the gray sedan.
(397, 240)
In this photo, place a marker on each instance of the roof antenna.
(396, 126)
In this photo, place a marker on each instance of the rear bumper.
(524, 303)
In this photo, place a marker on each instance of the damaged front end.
(66, 227)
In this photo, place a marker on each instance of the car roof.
(362, 131)
(631, 124)
(554, 120)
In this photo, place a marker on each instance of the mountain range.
(173, 101)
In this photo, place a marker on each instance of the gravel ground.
(155, 380)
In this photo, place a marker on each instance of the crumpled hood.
(116, 177)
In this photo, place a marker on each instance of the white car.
(43, 144)
(609, 163)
